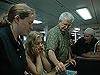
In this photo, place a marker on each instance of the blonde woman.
(37, 61)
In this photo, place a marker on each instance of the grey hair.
(68, 15)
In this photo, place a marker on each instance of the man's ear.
(17, 17)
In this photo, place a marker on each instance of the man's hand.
(60, 67)
(72, 61)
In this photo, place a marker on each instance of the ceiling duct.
(6, 1)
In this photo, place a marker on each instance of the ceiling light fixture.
(84, 13)
(37, 22)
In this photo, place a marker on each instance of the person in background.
(37, 61)
(87, 60)
(85, 44)
(18, 21)
(95, 53)
(57, 43)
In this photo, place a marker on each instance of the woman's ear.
(17, 17)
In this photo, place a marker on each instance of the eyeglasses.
(67, 25)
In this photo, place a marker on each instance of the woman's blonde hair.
(30, 41)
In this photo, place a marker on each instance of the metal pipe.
(95, 46)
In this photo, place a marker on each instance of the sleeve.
(51, 41)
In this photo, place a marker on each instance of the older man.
(57, 43)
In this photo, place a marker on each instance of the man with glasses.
(57, 43)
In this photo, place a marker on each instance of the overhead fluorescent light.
(77, 29)
(37, 22)
(84, 13)
(24, 38)
(42, 32)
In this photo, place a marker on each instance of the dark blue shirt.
(12, 54)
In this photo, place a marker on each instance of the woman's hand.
(60, 67)
(38, 50)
